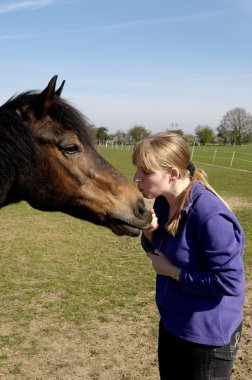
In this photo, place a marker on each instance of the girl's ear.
(175, 174)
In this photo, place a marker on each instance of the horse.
(47, 159)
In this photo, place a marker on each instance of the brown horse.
(48, 160)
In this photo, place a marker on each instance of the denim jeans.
(180, 359)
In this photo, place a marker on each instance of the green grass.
(228, 182)
(238, 157)
(75, 264)
(48, 253)
(56, 268)
(121, 159)
(215, 155)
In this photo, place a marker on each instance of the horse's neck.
(4, 191)
(7, 180)
(16, 151)
(9, 167)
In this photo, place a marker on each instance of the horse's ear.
(42, 102)
(59, 91)
(49, 95)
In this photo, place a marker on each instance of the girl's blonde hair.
(166, 150)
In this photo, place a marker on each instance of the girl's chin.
(148, 196)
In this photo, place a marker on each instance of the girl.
(195, 244)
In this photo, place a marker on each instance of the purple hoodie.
(206, 306)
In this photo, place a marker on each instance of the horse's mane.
(17, 142)
(61, 110)
(71, 118)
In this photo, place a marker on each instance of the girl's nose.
(137, 178)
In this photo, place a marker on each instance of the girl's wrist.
(148, 234)
(176, 274)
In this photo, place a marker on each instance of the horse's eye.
(71, 149)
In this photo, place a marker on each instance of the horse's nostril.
(141, 207)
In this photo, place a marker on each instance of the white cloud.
(159, 21)
(21, 36)
(19, 5)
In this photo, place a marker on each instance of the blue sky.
(128, 62)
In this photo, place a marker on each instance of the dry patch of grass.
(79, 302)
(243, 363)
(60, 350)
(237, 203)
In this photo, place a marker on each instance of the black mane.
(61, 110)
(16, 143)
(71, 118)
(16, 139)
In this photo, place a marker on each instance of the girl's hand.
(148, 232)
(154, 222)
(161, 264)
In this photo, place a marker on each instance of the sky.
(161, 64)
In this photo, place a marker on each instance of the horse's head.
(66, 173)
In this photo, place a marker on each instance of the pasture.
(237, 157)
(77, 302)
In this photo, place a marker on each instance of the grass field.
(234, 185)
(77, 302)
(239, 157)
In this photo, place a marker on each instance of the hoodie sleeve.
(221, 241)
(147, 246)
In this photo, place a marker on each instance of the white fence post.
(192, 150)
(232, 159)
(214, 154)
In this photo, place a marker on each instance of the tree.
(223, 134)
(120, 136)
(190, 139)
(235, 126)
(138, 132)
(92, 133)
(102, 133)
(205, 134)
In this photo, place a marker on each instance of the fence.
(238, 157)
(116, 146)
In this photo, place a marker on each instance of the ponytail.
(166, 150)
(195, 175)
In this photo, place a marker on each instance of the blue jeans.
(180, 359)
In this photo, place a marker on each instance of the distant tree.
(235, 126)
(138, 132)
(92, 133)
(223, 134)
(247, 138)
(205, 134)
(102, 133)
(190, 139)
(120, 136)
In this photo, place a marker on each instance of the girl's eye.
(147, 172)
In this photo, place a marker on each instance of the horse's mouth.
(116, 225)
(121, 228)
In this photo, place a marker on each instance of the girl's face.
(152, 183)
